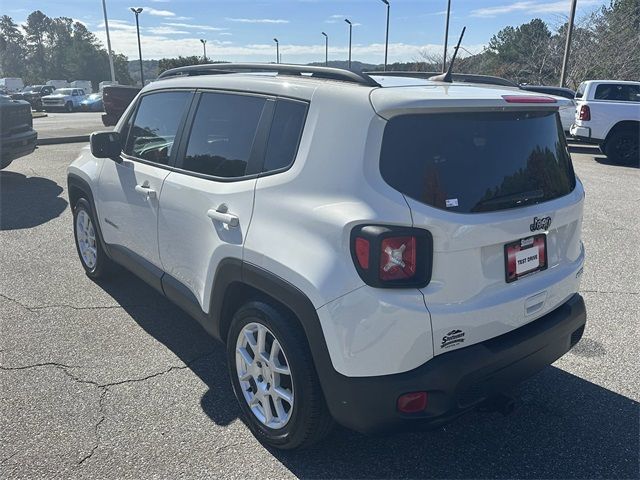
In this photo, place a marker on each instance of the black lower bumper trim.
(17, 146)
(456, 381)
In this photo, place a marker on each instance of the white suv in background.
(385, 257)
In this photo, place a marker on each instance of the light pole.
(138, 11)
(326, 49)
(277, 50)
(204, 45)
(106, 27)
(567, 48)
(386, 42)
(446, 38)
(350, 36)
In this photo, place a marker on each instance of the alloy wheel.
(264, 375)
(86, 238)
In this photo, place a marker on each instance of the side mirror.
(106, 145)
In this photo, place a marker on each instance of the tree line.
(55, 48)
(606, 44)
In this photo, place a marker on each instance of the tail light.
(392, 257)
(585, 113)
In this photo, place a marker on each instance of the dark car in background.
(33, 94)
(93, 103)
(17, 136)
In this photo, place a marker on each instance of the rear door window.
(477, 162)
(155, 126)
(222, 135)
(618, 92)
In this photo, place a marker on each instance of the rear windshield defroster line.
(477, 162)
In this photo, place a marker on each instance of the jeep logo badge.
(540, 224)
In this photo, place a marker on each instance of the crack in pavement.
(36, 365)
(103, 416)
(609, 292)
(104, 390)
(2, 462)
(73, 307)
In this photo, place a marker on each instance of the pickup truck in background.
(608, 114)
(17, 137)
(67, 99)
(116, 99)
(33, 94)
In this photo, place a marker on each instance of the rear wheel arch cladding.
(251, 280)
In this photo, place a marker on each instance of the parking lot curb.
(60, 140)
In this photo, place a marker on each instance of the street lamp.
(277, 50)
(106, 27)
(386, 43)
(567, 47)
(326, 49)
(204, 45)
(138, 11)
(446, 38)
(350, 36)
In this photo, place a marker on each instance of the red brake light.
(527, 99)
(413, 402)
(397, 258)
(585, 113)
(362, 252)
(388, 256)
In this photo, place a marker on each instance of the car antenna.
(446, 76)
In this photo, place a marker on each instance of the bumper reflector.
(412, 402)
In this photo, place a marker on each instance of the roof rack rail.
(457, 77)
(281, 69)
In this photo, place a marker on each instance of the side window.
(222, 134)
(581, 89)
(284, 137)
(155, 126)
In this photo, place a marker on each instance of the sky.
(242, 30)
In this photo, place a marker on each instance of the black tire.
(103, 265)
(622, 147)
(310, 419)
(68, 107)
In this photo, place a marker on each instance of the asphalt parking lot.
(110, 380)
(58, 125)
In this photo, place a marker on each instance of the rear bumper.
(456, 381)
(583, 134)
(17, 146)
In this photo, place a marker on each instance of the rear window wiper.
(515, 198)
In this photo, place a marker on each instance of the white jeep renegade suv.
(380, 251)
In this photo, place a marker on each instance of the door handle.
(221, 214)
(146, 191)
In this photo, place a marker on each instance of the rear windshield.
(477, 162)
(618, 92)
